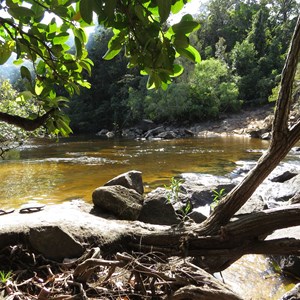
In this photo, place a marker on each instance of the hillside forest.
(242, 44)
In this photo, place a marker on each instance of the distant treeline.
(242, 45)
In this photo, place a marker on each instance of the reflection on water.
(52, 172)
(252, 278)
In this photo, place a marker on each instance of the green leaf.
(177, 6)
(116, 42)
(86, 10)
(181, 40)
(61, 38)
(78, 46)
(110, 54)
(25, 95)
(38, 88)
(178, 70)
(191, 53)
(164, 9)
(141, 14)
(86, 66)
(38, 12)
(6, 51)
(109, 8)
(20, 11)
(41, 67)
(185, 27)
(25, 73)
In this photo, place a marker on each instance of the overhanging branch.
(24, 123)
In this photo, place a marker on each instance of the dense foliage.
(15, 103)
(40, 32)
(243, 46)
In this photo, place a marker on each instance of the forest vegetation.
(242, 44)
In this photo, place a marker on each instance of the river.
(49, 171)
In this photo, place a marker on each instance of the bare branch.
(24, 123)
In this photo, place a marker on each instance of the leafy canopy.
(138, 27)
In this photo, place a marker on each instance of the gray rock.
(124, 203)
(131, 180)
(276, 192)
(290, 264)
(197, 216)
(254, 204)
(284, 177)
(110, 134)
(154, 131)
(102, 132)
(167, 135)
(295, 199)
(266, 136)
(146, 125)
(293, 294)
(157, 210)
(54, 243)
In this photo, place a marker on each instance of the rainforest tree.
(137, 27)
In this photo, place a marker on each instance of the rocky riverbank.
(120, 207)
(252, 122)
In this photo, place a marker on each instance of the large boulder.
(122, 202)
(131, 180)
(157, 209)
(54, 243)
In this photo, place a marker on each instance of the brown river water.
(50, 172)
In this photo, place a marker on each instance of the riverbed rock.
(61, 231)
(153, 132)
(290, 264)
(168, 135)
(295, 199)
(284, 177)
(145, 125)
(54, 243)
(131, 180)
(157, 209)
(293, 294)
(122, 202)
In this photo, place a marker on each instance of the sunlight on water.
(53, 172)
(252, 278)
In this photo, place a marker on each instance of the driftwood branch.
(24, 123)
(241, 236)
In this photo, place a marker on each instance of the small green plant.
(173, 196)
(174, 189)
(187, 208)
(5, 276)
(218, 195)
